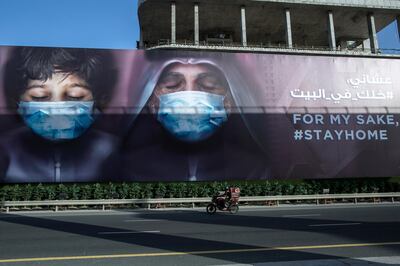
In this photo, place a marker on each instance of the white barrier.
(269, 200)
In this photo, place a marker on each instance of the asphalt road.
(327, 235)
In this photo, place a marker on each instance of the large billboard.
(83, 115)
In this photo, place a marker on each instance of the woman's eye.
(171, 82)
(209, 82)
(173, 85)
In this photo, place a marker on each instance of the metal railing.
(384, 4)
(264, 200)
(166, 43)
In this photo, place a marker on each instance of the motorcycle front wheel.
(211, 208)
(234, 209)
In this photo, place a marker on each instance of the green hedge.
(82, 191)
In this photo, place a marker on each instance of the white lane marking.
(341, 224)
(233, 265)
(142, 220)
(126, 232)
(393, 260)
(301, 215)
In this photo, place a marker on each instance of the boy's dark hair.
(93, 66)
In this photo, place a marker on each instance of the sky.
(89, 24)
(69, 23)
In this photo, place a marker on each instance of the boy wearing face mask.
(56, 92)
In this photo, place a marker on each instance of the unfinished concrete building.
(328, 26)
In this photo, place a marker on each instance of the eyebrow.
(77, 84)
(35, 86)
(174, 74)
(199, 76)
(209, 74)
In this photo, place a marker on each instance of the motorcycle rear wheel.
(211, 208)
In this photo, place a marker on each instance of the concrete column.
(141, 41)
(398, 25)
(243, 19)
(372, 33)
(173, 23)
(288, 31)
(366, 44)
(196, 24)
(331, 31)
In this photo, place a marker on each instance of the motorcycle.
(225, 201)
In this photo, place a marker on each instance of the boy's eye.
(74, 98)
(39, 98)
(77, 93)
(38, 95)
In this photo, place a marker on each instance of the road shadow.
(387, 232)
(181, 243)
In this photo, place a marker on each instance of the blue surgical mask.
(192, 116)
(57, 120)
